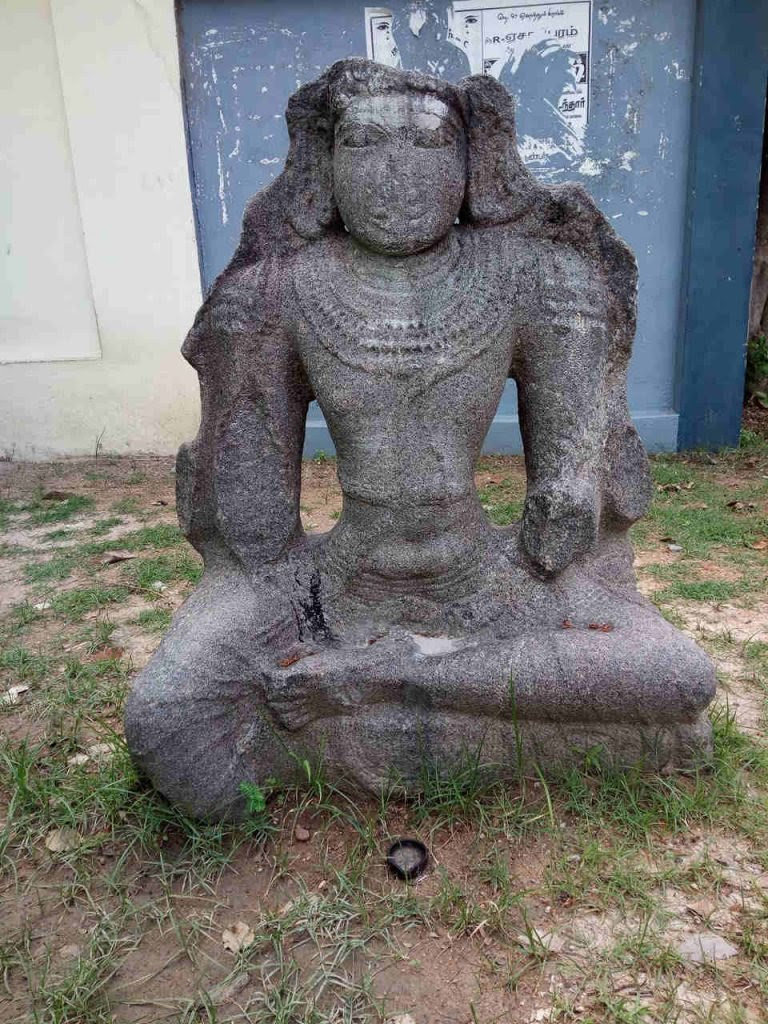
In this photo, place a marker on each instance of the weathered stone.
(399, 269)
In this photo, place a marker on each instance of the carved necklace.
(432, 311)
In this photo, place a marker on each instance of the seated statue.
(401, 267)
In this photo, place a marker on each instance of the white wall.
(111, 126)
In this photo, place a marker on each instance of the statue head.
(396, 156)
(399, 157)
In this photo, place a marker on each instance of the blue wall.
(241, 59)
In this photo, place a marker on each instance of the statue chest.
(377, 332)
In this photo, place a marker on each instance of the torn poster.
(539, 51)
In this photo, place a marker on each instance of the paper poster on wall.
(539, 51)
(379, 41)
(552, 39)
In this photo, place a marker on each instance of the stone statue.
(402, 266)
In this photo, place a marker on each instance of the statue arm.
(561, 370)
(238, 482)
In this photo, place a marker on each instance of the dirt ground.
(594, 897)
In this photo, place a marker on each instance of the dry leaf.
(120, 555)
(566, 624)
(237, 937)
(107, 654)
(759, 545)
(62, 840)
(601, 627)
(706, 946)
(100, 751)
(13, 695)
(78, 759)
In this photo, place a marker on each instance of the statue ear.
(499, 187)
(299, 202)
(311, 208)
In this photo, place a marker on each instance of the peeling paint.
(590, 168)
(677, 70)
(626, 160)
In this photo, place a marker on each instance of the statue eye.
(359, 136)
(434, 138)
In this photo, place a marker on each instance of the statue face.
(399, 166)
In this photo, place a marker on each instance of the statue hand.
(559, 522)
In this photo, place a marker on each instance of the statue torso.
(407, 359)
(431, 337)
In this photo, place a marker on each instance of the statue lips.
(407, 213)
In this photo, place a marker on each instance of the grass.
(143, 573)
(105, 525)
(142, 888)
(41, 512)
(74, 604)
(706, 590)
(155, 620)
(694, 510)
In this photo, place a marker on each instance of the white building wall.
(105, 262)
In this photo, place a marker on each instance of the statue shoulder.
(245, 301)
(569, 250)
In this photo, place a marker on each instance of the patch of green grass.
(41, 512)
(24, 665)
(504, 513)
(137, 477)
(105, 803)
(84, 690)
(74, 604)
(57, 568)
(599, 870)
(703, 590)
(105, 525)
(752, 443)
(166, 568)
(78, 995)
(503, 502)
(157, 620)
(9, 550)
(7, 509)
(635, 803)
(62, 534)
(163, 535)
(126, 506)
(694, 510)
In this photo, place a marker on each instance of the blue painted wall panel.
(241, 59)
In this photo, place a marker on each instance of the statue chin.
(395, 235)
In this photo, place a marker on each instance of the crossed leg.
(195, 720)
